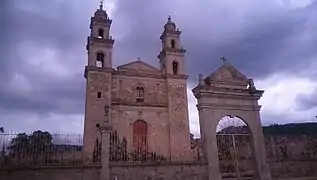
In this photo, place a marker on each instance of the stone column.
(210, 148)
(105, 131)
(263, 168)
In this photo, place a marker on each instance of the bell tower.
(99, 42)
(172, 54)
(172, 65)
(98, 73)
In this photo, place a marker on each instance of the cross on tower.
(224, 60)
(169, 18)
(101, 4)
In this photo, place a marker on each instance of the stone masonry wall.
(125, 111)
(97, 82)
(52, 173)
(173, 171)
(293, 169)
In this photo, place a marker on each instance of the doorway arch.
(235, 148)
(140, 131)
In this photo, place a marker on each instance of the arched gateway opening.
(235, 148)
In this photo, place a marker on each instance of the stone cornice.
(97, 69)
(121, 103)
(170, 32)
(167, 50)
(229, 107)
(226, 95)
(101, 21)
(149, 75)
(133, 73)
(171, 76)
(93, 41)
(222, 92)
(108, 42)
(139, 74)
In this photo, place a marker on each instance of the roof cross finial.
(169, 18)
(101, 5)
(224, 60)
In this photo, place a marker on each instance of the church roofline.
(135, 62)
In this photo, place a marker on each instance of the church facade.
(146, 105)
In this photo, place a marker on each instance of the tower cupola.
(170, 26)
(101, 13)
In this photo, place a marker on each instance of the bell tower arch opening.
(100, 60)
(100, 33)
(173, 43)
(175, 67)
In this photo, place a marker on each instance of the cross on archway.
(224, 60)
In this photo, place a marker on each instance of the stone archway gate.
(228, 92)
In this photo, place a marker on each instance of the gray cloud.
(44, 44)
(307, 101)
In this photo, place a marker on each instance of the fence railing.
(142, 149)
(40, 148)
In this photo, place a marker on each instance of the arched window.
(173, 43)
(139, 96)
(100, 59)
(140, 136)
(175, 67)
(100, 33)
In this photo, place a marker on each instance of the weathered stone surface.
(163, 108)
(161, 172)
(305, 170)
(139, 66)
(216, 102)
(293, 169)
(52, 173)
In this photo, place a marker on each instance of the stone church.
(137, 99)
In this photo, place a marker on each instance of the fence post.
(105, 131)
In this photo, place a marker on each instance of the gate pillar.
(105, 131)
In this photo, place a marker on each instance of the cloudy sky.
(42, 53)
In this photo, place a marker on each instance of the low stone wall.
(170, 171)
(291, 170)
(51, 173)
(119, 171)
(294, 169)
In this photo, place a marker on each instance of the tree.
(36, 147)
(19, 146)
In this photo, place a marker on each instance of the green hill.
(291, 129)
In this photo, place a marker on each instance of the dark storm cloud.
(307, 101)
(259, 40)
(267, 43)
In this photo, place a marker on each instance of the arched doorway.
(140, 143)
(235, 148)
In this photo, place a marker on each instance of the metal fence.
(235, 155)
(40, 148)
(141, 149)
(43, 148)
